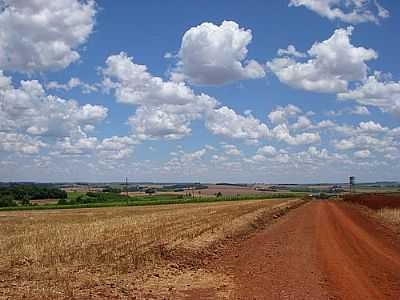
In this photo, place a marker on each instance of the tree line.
(23, 193)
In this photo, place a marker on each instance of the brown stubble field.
(116, 252)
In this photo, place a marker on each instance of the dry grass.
(67, 249)
(391, 215)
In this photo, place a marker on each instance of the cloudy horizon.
(183, 92)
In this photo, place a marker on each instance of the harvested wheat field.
(119, 252)
(265, 249)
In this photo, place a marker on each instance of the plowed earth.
(375, 201)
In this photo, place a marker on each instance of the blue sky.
(272, 91)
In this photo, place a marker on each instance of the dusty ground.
(359, 255)
(320, 250)
(323, 250)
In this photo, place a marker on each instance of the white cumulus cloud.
(281, 114)
(349, 11)
(116, 148)
(71, 84)
(30, 109)
(43, 35)
(378, 92)
(291, 51)
(215, 55)
(225, 121)
(331, 65)
(20, 143)
(282, 133)
(165, 108)
(267, 150)
(362, 153)
(232, 150)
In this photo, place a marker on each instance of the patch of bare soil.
(322, 250)
(360, 256)
(280, 262)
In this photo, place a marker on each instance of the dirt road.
(322, 250)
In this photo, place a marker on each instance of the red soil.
(375, 201)
(323, 250)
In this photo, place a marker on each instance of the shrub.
(7, 201)
(25, 201)
(62, 202)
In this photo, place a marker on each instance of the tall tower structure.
(352, 184)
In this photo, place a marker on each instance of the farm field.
(385, 206)
(76, 200)
(199, 150)
(227, 190)
(253, 249)
(376, 200)
(62, 254)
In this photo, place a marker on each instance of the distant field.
(213, 189)
(116, 200)
(53, 254)
(75, 195)
(227, 190)
(367, 189)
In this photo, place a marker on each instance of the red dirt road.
(322, 250)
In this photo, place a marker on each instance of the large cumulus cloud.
(331, 65)
(215, 55)
(41, 35)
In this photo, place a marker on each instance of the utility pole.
(126, 189)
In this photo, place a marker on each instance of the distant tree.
(7, 200)
(62, 202)
(219, 194)
(23, 192)
(25, 201)
(323, 196)
(112, 190)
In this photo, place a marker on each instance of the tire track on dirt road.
(322, 250)
(280, 262)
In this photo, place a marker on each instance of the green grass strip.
(154, 200)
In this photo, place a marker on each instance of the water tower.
(352, 184)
